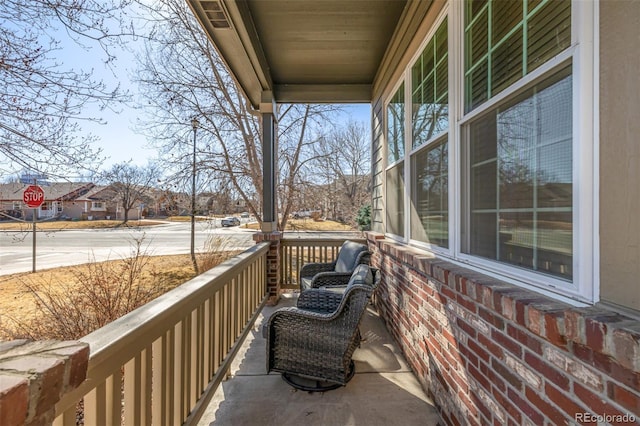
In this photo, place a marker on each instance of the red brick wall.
(489, 352)
(273, 262)
(35, 375)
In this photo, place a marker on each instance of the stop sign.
(33, 196)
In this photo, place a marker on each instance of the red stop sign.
(33, 196)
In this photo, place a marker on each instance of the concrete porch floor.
(383, 391)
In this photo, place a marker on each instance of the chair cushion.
(362, 275)
(305, 283)
(348, 256)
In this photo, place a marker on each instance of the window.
(395, 174)
(17, 205)
(430, 195)
(97, 205)
(519, 181)
(506, 40)
(508, 185)
(395, 200)
(429, 78)
(429, 122)
(395, 127)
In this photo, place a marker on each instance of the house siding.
(619, 153)
(377, 169)
(489, 352)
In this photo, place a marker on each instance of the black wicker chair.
(337, 273)
(312, 344)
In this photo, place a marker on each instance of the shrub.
(216, 251)
(363, 218)
(97, 295)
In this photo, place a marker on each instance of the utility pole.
(194, 125)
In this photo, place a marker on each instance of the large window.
(507, 39)
(430, 123)
(520, 180)
(507, 183)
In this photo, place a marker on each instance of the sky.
(117, 138)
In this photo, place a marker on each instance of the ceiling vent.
(216, 14)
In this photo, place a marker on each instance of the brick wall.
(489, 352)
(273, 262)
(35, 375)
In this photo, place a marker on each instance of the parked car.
(230, 221)
(244, 215)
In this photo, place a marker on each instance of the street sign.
(33, 196)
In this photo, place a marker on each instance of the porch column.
(269, 231)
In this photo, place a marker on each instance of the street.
(73, 247)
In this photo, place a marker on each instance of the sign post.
(33, 197)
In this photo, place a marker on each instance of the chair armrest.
(330, 279)
(319, 300)
(311, 269)
(364, 258)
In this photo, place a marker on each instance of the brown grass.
(309, 225)
(21, 309)
(19, 304)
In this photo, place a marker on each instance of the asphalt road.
(73, 247)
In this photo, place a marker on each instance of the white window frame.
(583, 56)
(385, 156)
(411, 151)
(95, 208)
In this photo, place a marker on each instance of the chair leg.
(302, 383)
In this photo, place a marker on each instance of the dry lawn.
(310, 225)
(18, 303)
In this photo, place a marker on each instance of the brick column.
(35, 375)
(273, 262)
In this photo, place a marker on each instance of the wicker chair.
(337, 273)
(314, 342)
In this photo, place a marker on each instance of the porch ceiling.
(307, 51)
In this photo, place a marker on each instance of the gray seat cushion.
(348, 255)
(362, 275)
(305, 283)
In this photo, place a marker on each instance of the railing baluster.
(217, 329)
(177, 400)
(170, 375)
(68, 418)
(193, 361)
(185, 366)
(132, 391)
(94, 405)
(159, 381)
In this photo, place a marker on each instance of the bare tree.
(42, 100)
(131, 184)
(343, 162)
(182, 76)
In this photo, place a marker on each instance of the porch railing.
(162, 362)
(295, 252)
